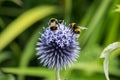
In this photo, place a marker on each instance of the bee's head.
(53, 22)
(73, 25)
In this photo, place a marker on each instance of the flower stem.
(57, 74)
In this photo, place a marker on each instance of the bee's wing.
(83, 28)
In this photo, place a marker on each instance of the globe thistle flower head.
(57, 49)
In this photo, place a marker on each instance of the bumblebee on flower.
(57, 47)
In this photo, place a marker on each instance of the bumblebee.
(76, 29)
(53, 24)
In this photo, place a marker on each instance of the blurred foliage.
(21, 20)
(106, 54)
(118, 8)
(6, 77)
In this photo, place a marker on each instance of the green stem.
(57, 74)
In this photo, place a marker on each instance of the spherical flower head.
(57, 49)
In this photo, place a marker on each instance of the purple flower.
(57, 49)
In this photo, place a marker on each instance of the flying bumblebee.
(76, 29)
(53, 24)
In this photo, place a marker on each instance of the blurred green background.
(21, 20)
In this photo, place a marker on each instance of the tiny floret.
(57, 49)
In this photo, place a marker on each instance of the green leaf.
(29, 50)
(6, 77)
(23, 22)
(18, 2)
(2, 24)
(4, 56)
(118, 8)
(68, 7)
(90, 13)
(10, 11)
(96, 19)
(106, 54)
(33, 71)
